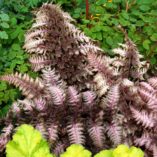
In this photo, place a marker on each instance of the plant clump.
(82, 96)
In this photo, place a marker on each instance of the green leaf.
(3, 35)
(101, 2)
(27, 142)
(3, 86)
(125, 15)
(109, 40)
(144, 7)
(76, 150)
(99, 35)
(154, 37)
(135, 152)
(4, 17)
(146, 44)
(153, 60)
(16, 47)
(13, 21)
(4, 25)
(23, 68)
(104, 153)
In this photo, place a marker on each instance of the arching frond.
(29, 87)
(143, 117)
(39, 62)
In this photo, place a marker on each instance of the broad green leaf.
(121, 151)
(27, 142)
(3, 35)
(109, 40)
(135, 152)
(4, 17)
(3, 86)
(76, 150)
(99, 35)
(13, 21)
(23, 68)
(4, 25)
(16, 47)
(146, 44)
(154, 37)
(144, 7)
(104, 153)
(125, 15)
(101, 2)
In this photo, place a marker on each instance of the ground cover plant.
(82, 95)
(29, 142)
(137, 17)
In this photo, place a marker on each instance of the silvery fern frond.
(75, 133)
(96, 133)
(30, 88)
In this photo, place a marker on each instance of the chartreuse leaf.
(27, 142)
(76, 150)
(121, 151)
(133, 151)
(125, 151)
(104, 153)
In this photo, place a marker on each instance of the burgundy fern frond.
(3, 141)
(8, 130)
(58, 96)
(96, 132)
(51, 78)
(112, 97)
(154, 150)
(101, 64)
(29, 87)
(143, 117)
(114, 132)
(40, 104)
(101, 84)
(39, 62)
(145, 140)
(146, 95)
(146, 86)
(153, 82)
(59, 148)
(75, 133)
(89, 98)
(42, 128)
(73, 96)
(52, 133)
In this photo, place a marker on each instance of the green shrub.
(27, 142)
(137, 17)
(15, 19)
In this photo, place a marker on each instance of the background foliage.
(137, 17)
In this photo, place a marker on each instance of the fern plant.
(82, 96)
